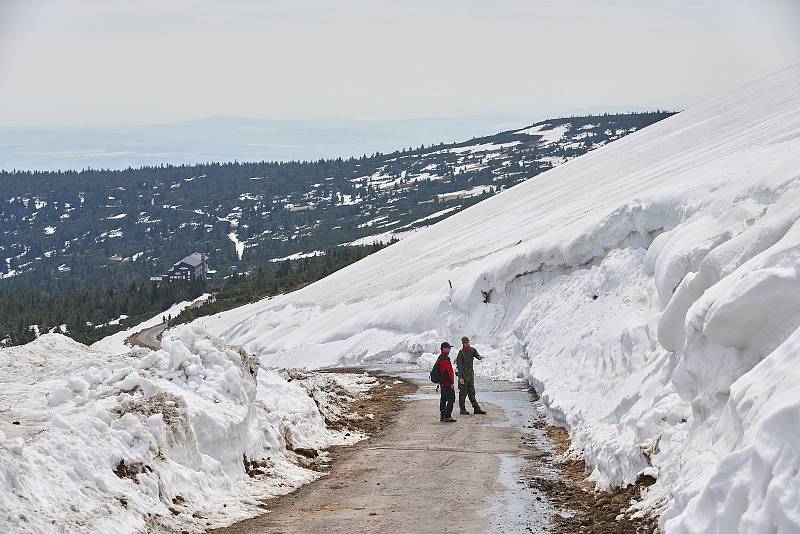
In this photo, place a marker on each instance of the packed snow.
(112, 321)
(434, 215)
(192, 436)
(649, 290)
(401, 232)
(383, 237)
(299, 256)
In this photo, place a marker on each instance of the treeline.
(79, 312)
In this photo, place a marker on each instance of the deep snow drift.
(650, 291)
(184, 438)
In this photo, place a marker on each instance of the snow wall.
(649, 290)
(186, 438)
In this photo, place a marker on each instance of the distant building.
(192, 266)
(306, 207)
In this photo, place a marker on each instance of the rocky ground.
(583, 508)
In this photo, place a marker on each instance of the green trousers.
(467, 389)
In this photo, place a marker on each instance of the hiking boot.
(478, 411)
(449, 420)
(465, 412)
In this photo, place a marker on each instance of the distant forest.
(84, 314)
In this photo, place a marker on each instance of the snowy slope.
(181, 439)
(649, 290)
(268, 210)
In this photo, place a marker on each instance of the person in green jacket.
(466, 376)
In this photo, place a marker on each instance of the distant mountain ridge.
(225, 138)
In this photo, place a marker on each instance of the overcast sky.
(89, 61)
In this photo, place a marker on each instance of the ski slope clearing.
(189, 437)
(649, 290)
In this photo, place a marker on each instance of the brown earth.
(149, 338)
(587, 510)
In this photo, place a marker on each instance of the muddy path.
(420, 475)
(504, 472)
(149, 338)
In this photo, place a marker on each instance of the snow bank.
(648, 290)
(188, 437)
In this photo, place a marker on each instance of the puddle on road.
(519, 508)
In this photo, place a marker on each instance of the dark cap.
(447, 345)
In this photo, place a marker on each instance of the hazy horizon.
(227, 138)
(98, 61)
(97, 83)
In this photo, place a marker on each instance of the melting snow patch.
(300, 255)
(239, 245)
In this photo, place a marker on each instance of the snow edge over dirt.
(186, 438)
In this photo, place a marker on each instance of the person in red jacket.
(446, 385)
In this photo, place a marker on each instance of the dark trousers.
(467, 389)
(446, 400)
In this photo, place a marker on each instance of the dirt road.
(149, 337)
(422, 476)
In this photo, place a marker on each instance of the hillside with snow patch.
(648, 290)
(137, 222)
